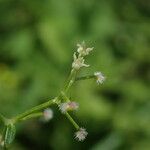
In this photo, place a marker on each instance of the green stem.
(70, 80)
(85, 77)
(64, 97)
(35, 109)
(72, 121)
(34, 115)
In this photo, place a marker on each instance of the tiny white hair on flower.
(68, 106)
(82, 50)
(100, 78)
(81, 134)
(78, 62)
(47, 114)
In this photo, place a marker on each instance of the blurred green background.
(37, 40)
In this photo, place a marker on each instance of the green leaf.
(9, 134)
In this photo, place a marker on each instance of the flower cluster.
(82, 50)
(79, 58)
(68, 106)
(78, 62)
(81, 134)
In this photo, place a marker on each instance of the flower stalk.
(85, 77)
(72, 121)
(33, 115)
(34, 109)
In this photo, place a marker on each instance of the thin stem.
(70, 80)
(34, 115)
(85, 77)
(64, 97)
(35, 109)
(72, 121)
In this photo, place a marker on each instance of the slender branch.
(65, 97)
(35, 109)
(72, 121)
(70, 80)
(84, 77)
(34, 115)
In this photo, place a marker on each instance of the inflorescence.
(64, 104)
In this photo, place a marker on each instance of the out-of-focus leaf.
(9, 134)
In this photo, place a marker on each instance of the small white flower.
(78, 62)
(81, 134)
(82, 50)
(47, 114)
(100, 77)
(68, 106)
(88, 50)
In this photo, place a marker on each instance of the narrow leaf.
(9, 134)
